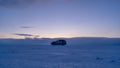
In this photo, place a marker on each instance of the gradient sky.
(59, 18)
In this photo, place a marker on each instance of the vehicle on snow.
(59, 42)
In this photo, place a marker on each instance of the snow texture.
(69, 56)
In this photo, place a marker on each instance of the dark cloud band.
(23, 34)
(26, 27)
(26, 35)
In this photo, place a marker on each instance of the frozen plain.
(69, 56)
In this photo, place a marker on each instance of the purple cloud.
(25, 3)
(21, 3)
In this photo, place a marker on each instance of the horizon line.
(60, 37)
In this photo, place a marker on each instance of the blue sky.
(59, 18)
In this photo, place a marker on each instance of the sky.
(59, 18)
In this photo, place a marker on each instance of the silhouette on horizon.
(59, 42)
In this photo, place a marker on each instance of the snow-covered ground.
(69, 56)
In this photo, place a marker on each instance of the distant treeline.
(70, 41)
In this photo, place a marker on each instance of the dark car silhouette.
(59, 42)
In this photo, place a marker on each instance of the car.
(59, 42)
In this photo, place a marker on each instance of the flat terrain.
(69, 56)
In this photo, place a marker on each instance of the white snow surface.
(69, 56)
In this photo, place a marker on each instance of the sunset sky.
(60, 18)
